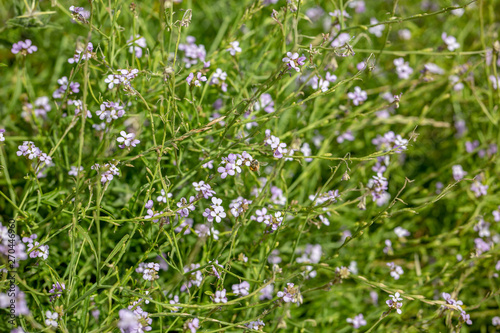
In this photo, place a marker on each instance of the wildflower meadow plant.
(245, 166)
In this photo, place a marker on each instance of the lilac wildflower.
(124, 78)
(196, 82)
(293, 61)
(481, 246)
(235, 48)
(204, 230)
(184, 207)
(341, 40)
(388, 246)
(24, 48)
(458, 172)
(257, 325)
(51, 319)
(396, 271)
(357, 321)
(377, 29)
(239, 205)
(79, 14)
(401, 232)
(242, 289)
(127, 140)
(110, 111)
(290, 294)
(358, 97)
(149, 270)
(193, 279)
(394, 303)
(84, 54)
(404, 34)
(494, 81)
(265, 103)
(192, 52)
(136, 45)
(216, 211)
(57, 290)
(403, 68)
(450, 41)
(220, 296)
(193, 325)
(163, 196)
(478, 188)
(266, 292)
(346, 136)
(306, 151)
(204, 189)
(74, 88)
(496, 214)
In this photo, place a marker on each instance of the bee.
(254, 165)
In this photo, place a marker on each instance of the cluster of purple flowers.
(204, 189)
(403, 68)
(274, 221)
(193, 279)
(215, 212)
(357, 321)
(134, 319)
(192, 52)
(124, 78)
(219, 78)
(36, 250)
(290, 294)
(396, 271)
(395, 302)
(265, 103)
(184, 207)
(317, 82)
(64, 84)
(84, 54)
(110, 111)
(234, 48)
(279, 148)
(239, 205)
(358, 96)
(32, 152)
(107, 171)
(42, 106)
(192, 325)
(390, 141)
(79, 14)
(148, 270)
(293, 61)
(311, 254)
(24, 48)
(232, 164)
(257, 325)
(242, 289)
(457, 305)
(57, 290)
(195, 81)
(136, 45)
(220, 296)
(127, 140)
(450, 41)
